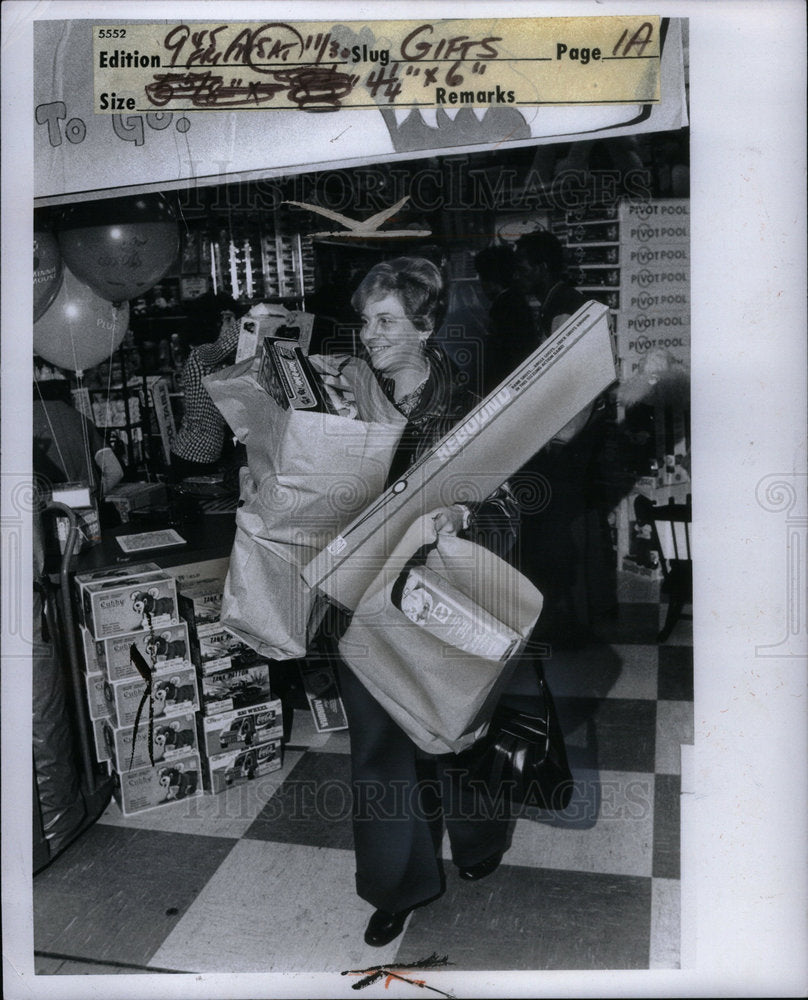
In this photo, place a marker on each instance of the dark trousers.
(401, 795)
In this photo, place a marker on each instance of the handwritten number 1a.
(639, 40)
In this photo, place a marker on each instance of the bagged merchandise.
(309, 474)
(441, 693)
(271, 320)
(536, 401)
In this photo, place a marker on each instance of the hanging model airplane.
(362, 229)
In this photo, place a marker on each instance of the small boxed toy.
(217, 648)
(117, 606)
(443, 610)
(201, 602)
(97, 704)
(287, 375)
(166, 782)
(188, 574)
(90, 662)
(173, 737)
(235, 687)
(82, 580)
(233, 768)
(102, 752)
(241, 728)
(320, 686)
(162, 647)
(173, 692)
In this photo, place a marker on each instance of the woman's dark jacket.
(444, 400)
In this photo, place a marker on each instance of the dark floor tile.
(312, 807)
(632, 623)
(525, 918)
(675, 675)
(667, 825)
(116, 893)
(620, 732)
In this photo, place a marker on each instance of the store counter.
(210, 536)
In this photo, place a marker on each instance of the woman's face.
(389, 335)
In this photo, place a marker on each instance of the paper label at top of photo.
(321, 66)
(121, 94)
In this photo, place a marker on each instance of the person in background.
(396, 840)
(511, 331)
(198, 447)
(557, 547)
(64, 439)
(539, 271)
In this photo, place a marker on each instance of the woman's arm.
(493, 522)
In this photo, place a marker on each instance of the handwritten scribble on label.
(321, 67)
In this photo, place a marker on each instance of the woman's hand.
(450, 520)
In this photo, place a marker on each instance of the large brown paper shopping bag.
(308, 475)
(442, 696)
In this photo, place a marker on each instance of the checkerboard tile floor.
(261, 877)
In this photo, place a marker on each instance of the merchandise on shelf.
(241, 728)
(235, 687)
(174, 691)
(227, 769)
(322, 693)
(166, 782)
(173, 737)
(200, 603)
(165, 647)
(116, 606)
(102, 752)
(217, 648)
(97, 704)
(189, 574)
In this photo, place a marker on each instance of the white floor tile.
(674, 727)
(275, 907)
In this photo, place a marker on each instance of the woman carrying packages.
(399, 790)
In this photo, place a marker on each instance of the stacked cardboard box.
(133, 612)
(240, 724)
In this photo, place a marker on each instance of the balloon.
(80, 329)
(47, 271)
(120, 247)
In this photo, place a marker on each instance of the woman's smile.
(389, 336)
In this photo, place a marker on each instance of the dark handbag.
(523, 754)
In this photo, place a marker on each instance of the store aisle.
(260, 878)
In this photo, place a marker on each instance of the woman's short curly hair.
(416, 282)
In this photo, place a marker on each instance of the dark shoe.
(384, 927)
(473, 873)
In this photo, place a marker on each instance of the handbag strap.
(418, 558)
